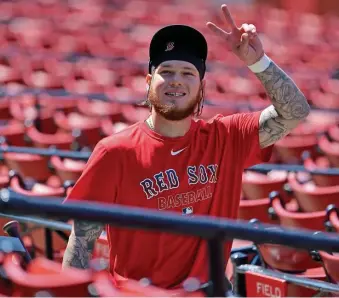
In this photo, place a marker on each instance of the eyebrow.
(171, 66)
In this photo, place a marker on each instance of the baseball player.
(174, 162)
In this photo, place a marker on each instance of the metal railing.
(213, 230)
(78, 155)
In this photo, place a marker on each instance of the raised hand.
(243, 41)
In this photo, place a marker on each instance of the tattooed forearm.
(289, 105)
(80, 244)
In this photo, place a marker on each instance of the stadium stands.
(72, 72)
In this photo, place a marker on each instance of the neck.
(169, 128)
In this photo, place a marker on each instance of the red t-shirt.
(197, 174)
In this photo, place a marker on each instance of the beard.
(170, 111)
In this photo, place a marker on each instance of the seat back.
(313, 198)
(258, 209)
(286, 259)
(71, 282)
(258, 186)
(331, 265)
(303, 220)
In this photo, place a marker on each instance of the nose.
(175, 82)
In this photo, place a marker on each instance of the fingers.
(250, 29)
(244, 42)
(217, 30)
(228, 17)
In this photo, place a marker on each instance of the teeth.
(175, 94)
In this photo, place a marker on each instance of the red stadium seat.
(4, 109)
(77, 83)
(67, 169)
(309, 128)
(108, 127)
(100, 109)
(28, 166)
(302, 220)
(132, 114)
(14, 133)
(36, 190)
(60, 140)
(37, 76)
(258, 209)
(287, 259)
(312, 198)
(331, 263)
(24, 110)
(291, 148)
(89, 127)
(257, 186)
(333, 132)
(9, 71)
(331, 150)
(320, 179)
(70, 282)
(4, 179)
(332, 218)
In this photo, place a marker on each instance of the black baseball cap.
(178, 42)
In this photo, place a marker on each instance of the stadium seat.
(290, 148)
(70, 282)
(331, 150)
(321, 162)
(255, 209)
(333, 132)
(28, 166)
(301, 220)
(133, 114)
(332, 221)
(309, 128)
(4, 108)
(13, 133)
(108, 127)
(4, 179)
(331, 263)
(258, 186)
(287, 259)
(34, 189)
(24, 110)
(65, 104)
(100, 109)
(59, 140)
(312, 198)
(86, 129)
(67, 169)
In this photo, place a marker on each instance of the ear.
(148, 80)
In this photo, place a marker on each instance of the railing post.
(49, 244)
(217, 267)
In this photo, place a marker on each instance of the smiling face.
(175, 89)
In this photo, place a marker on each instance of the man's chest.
(184, 184)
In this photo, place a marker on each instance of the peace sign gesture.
(243, 42)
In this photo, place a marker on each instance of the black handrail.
(85, 156)
(211, 229)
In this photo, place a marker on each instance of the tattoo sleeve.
(80, 244)
(289, 106)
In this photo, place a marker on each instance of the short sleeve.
(97, 182)
(244, 128)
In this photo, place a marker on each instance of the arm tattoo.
(289, 106)
(81, 243)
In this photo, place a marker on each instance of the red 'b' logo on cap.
(170, 46)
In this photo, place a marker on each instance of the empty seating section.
(73, 72)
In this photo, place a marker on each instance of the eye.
(188, 74)
(165, 72)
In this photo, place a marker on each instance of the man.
(174, 162)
